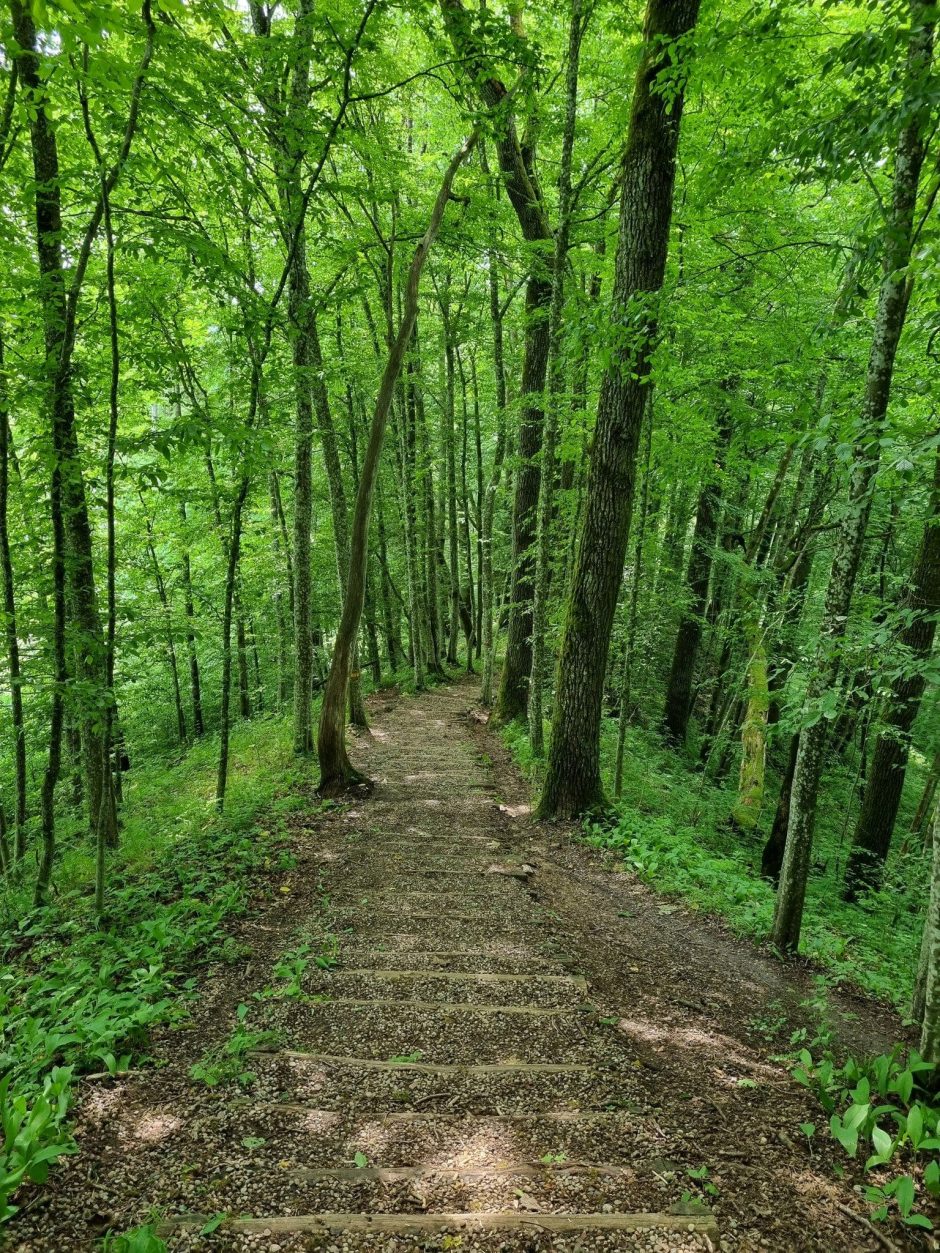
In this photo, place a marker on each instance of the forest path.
(517, 1049)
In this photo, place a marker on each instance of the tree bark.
(573, 780)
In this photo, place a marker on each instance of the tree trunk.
(168, 636)
(496, 470)
(336, 772)
(556, 380)
(573, 780)
(629, 648)
(10, 631)
(885, 780)
(689, 636)
(517, 166)
(195, 684)
(277, 597)
(59, 310)
(231, 578)
(893, 299)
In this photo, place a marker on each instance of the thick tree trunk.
(573, 781)
(885, 781)
(336, 772)
(893, 301)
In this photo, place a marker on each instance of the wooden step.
(424, 1224)
(398, 1174)
(563, 1117)
(457, 977)
(444, 1007)
(430, 1068)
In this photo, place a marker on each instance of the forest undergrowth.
(79, 995)
(670, 826)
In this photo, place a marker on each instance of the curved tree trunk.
(336, 772)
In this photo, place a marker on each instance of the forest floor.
(450, 1028)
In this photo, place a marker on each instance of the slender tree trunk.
(629, 650)
(390, 620)
(195, 683)
(573, 780)
(499, 454)
(10, 630)
(450, 460)
(685, 655)
(59, 313)
(280, 616)
(893, 299)
(885, 780)
(416, 592)
(517, 167)
(336, 771)
(556, 379)
(231, 579)
(168, 634)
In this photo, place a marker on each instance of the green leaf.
(214, 1223)
(882, 1142)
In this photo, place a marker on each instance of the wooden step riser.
(427, 1224)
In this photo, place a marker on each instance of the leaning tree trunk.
(893, 300)
(336, 772)
(573, 779)
(885, 780)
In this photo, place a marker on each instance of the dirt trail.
(516, 1050)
